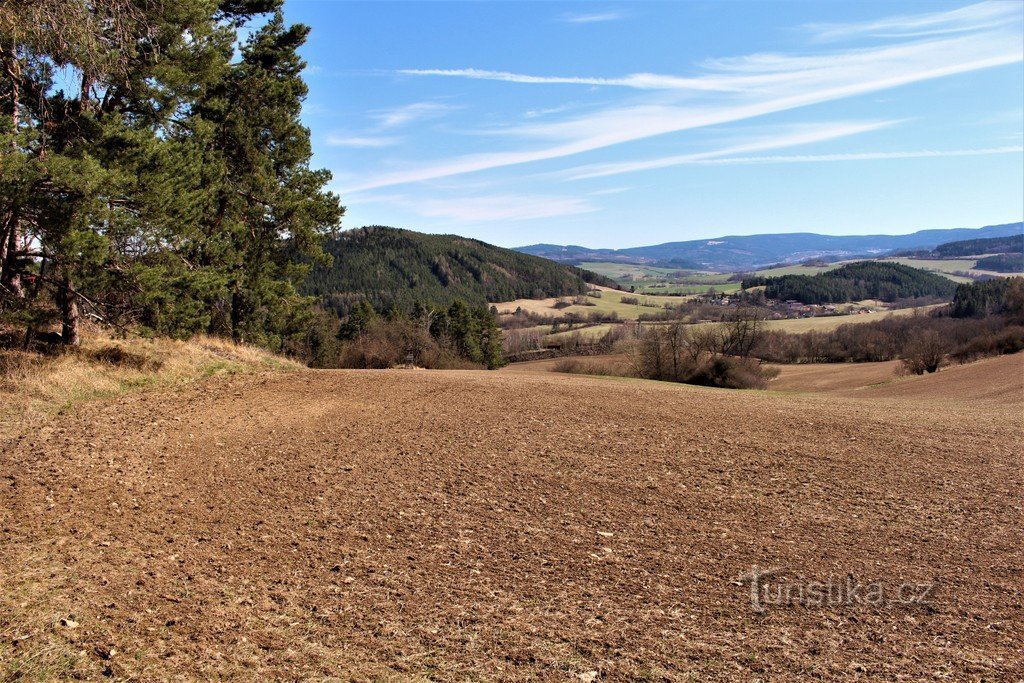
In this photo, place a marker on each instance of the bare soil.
(415, 525)
(834, 377)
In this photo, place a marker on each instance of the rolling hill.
(748, 252)
(393, 267)
(856, 281)
(1012, 244)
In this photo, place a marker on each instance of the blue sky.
(624, 124)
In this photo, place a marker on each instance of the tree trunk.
(3, 240)
(85, 94)
(10, 276)
(14, 71)
(69, 314)
(236, 315)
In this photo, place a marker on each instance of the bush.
(121, 357)
(885, 339)
(730, 372)
(925, 352)
(391, 343)
(590, 366)
(717, 356)
(1008, 340)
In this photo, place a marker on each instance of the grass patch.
(103, 366)
(611, 301)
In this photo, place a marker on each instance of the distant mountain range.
(747, 252)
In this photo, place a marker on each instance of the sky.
(627, 124)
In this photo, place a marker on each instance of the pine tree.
(171, 188)
(492, 347)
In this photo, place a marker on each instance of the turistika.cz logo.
(769, 588)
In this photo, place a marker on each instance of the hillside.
(856, 281)
(1013, 244)
(1002, 263)
(389, 266)
(452, 526)
(749, 252)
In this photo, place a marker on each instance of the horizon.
(575, 122)
(700, 238)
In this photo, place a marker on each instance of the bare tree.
(925, 352)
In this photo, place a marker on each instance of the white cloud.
(503, 207)
(725, 91)
(361, 142)
(610, 190)
(865, 156)
(535, 113)
(417, 111)
(981, 16)
(591, 18)
(803, 135)
(483, 208)
(640, 81)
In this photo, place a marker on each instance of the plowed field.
(415, 525)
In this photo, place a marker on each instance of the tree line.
(154, 172)
(455, 336)
(987, 245)
(1002, 263)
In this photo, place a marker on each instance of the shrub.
(925, 352)
(121, 357)
(1008, 340)
(590, 366)
(717, 356)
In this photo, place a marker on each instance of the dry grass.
(609, 302)
(36, 383)
(611, 366)
(827, 323)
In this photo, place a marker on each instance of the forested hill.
(1013, 244)
(856, 281)
(393, 267)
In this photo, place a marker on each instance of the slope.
(396, 267)
(411, 525)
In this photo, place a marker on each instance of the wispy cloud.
(640, 81)
(486, 208)
(503, 207)
(591, 18)
(864, 156)
(406, 114)
(535, 113)
(803, 135)
(362, 141)
(610, 190)
(978, 17)
(729, 90)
